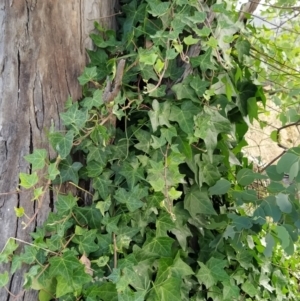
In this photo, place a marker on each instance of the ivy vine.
(167, 207)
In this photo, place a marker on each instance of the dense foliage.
(167, 205)
(274, 56)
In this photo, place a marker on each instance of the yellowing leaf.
(28, 181)
(19, 211)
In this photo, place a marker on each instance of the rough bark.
(42, 52)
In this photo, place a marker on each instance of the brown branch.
(277, 68)
(247, 8)
(272, 161)
(115, 251)
(112, 89)
(279, 144)
(276, 6)
(105, 17)
(11, 192)
(275, 25)
(274, 60)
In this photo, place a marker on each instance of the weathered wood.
(42, 52)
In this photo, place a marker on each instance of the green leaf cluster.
(166, 207)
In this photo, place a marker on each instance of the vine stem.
(11, 192)
(40, 201)
(115, 251)
(27, 243)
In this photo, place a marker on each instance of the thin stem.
(115, 251)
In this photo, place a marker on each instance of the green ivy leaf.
(96, 101)
(37, 159)
(209, 124)
(185, 91)
(184, 116)
(97, 154)
(30, 254)
(160, 114)
(230, 291)
(38, 192)
(212, 272)
(249, 288)
(89, 215)
(219, 8)
(208, 173)
(69, 171)
(197, 202)
(163, 225)
(132, 172)
(65, 203)
(19, 211)
(159, 246)
(88, 75)
(75, 117)
(158, 8)
(177, 27)
(169, 290)
(147, 56)
(204, 60)
(4, 279)
(102, 184)
(9, 248)
(189, 40)
(63, 287)
(52, 171)
(243, 48)
(199, 85)
(132, 198)
(180, 269)
(144, 138)
(106, 291)
(94, 169)
(156, 176)
(86, 242)
(28, 181)
(168, 133)
(64, 265)
(103, 206)
(109, 40)
(62, 144)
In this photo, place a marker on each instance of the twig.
(39, 206)
(115, 251)
(272, 161)
(40, 201)
(105, 17)
(27, 243)
(112, 89)
(280, 145)
(276, 6)
(80, 188)
(11, 192)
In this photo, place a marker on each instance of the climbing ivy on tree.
(166, 206)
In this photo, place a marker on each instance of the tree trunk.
(42, 52)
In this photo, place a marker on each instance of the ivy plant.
(166, 206)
